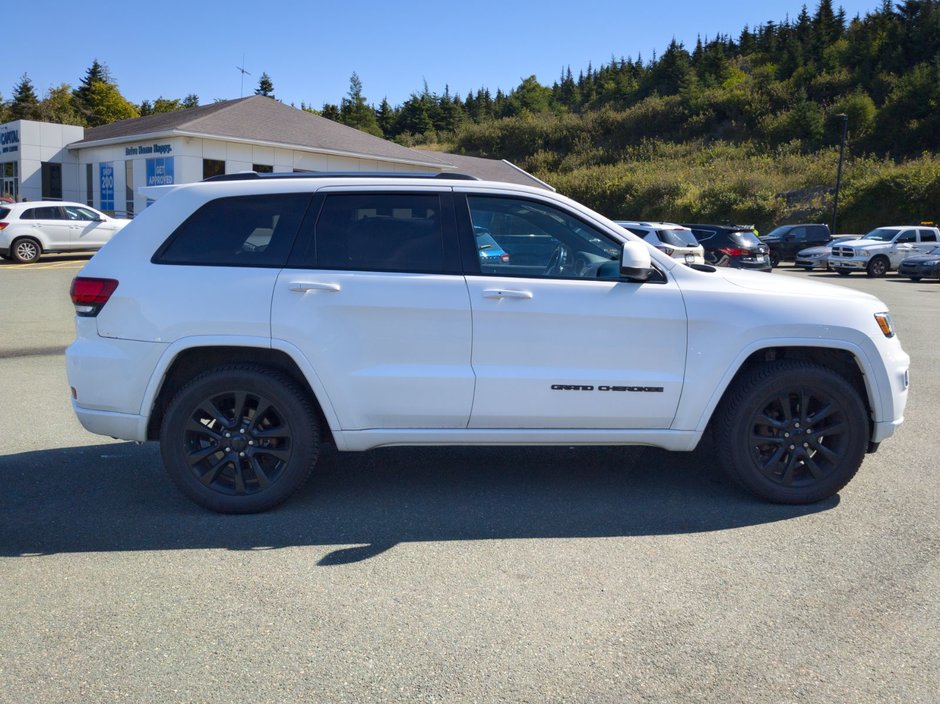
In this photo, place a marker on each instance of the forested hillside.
(742, 126)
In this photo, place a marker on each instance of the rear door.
(374, 298)
(559, 340)
(49, 225)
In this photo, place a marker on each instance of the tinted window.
(677, 238)
(49, 213)
(928, 236)
(906, 236)
(745, 239)
(239, 231)
(381, 232)
(4, 212)
(541, 240)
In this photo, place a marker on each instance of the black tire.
(843, 272)
(774, 260)
(791, 432)
(25, 250)
(240, 439)
(807, 268)
(878, 267)
(915, 278)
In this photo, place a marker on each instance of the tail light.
(3, 225)
(734, 251)
(504, 258)
(90, 294)
(666, 250)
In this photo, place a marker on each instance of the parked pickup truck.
(883, 249)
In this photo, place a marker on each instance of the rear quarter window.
(252, 231)
(4, 212)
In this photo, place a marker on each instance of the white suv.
(245, 320)
(675, 240)
(28, 229)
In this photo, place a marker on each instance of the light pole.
(835, 203)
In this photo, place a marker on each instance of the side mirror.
(635, 261)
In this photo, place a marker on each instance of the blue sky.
(310, 49)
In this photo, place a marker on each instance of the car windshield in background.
(882, 234)
(747, 239)
(677, 238)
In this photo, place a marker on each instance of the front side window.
(381, 232)
(238, 231)
(74, 212)
(907, 236)
(536, 239)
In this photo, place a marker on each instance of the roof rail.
(250, 175)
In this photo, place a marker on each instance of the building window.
(51, 180)
(9, 172)
(212, 167)
(262, 168)
(89, 185)
(129, 188)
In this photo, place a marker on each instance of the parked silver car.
(29, 229)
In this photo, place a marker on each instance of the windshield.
(881, 234)
(677, 237)
(778, 231)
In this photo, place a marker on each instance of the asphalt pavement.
(457, 575)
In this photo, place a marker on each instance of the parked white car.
(245, 320)
(674, 240)
(883, 249)
(29, 229)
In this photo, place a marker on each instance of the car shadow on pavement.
(116, 497)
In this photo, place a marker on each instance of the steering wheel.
(557, 262)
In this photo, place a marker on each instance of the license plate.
(760, 259)
(690, 259)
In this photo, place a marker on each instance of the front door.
(87, 229)
(559, 340)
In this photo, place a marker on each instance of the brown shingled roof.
(262, 119)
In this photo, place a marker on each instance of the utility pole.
(835, 203)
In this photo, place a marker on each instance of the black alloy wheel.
(792, 432)
(240, 439)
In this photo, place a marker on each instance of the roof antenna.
(241, 92)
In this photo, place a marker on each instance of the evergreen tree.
(25, 104)
(96, 73)
(265, 86)
(355, 112)
(190, 101)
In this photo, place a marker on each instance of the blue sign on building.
(160, 172)
(106, 177)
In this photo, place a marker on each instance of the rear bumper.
(123, 426)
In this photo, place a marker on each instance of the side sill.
(358, 440)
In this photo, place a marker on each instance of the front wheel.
(792, 432)
(774, 260)
(843, 272)
(240, 439)
(915, 278)
(877, 267)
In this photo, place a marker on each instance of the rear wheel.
(915, 278)
(774, 260)
(240, 439)
(843, 272)
(25, 250)
(807, 268)
(792, 432)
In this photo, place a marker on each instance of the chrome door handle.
(304, 286)
(506, 293)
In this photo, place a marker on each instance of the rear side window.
(4, 212)
(745, 239)
(928, 236)
(48, 213)
(381, 232)
(238, 231)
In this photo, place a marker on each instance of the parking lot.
(450, 575)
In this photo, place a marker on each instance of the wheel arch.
(190, 361)
(849, 363)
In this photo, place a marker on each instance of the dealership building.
(104, 166)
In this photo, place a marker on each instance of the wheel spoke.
(822, 413)
(792, 462)
(814, 468)
(832, 430)
(194, 426)
(275, 432)
(764, 419)
(774, 460)
(784, 401)
(238, 409)
(828, 453)
(276, 453)
(213, 472)
(264, 406)
(757, 439)
(198, 456)
(804, 405)
(260, 474)
(209, 409)
(239, 478)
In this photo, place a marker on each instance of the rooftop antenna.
(241, 92)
